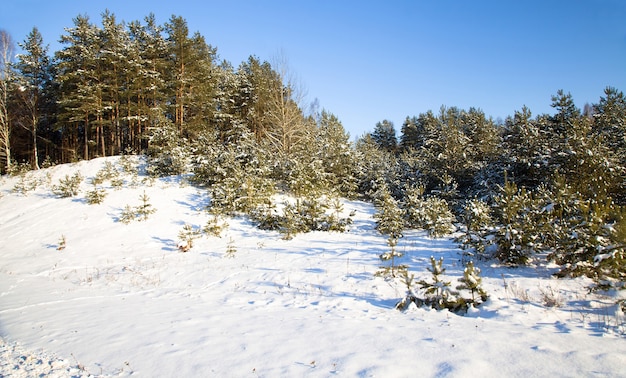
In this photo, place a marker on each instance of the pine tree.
(33, 76)
(77, 74)
(375, 167)
(336, 154)
(389, 222)
(438, 294)
(384, 136)
(148, 86)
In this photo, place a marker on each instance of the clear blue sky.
(366, 61)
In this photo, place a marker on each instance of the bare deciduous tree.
(288, 126)
(6, 51)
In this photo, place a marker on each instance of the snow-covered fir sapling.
(477, 221)
(472, 281)
(25, 184)
(187, 235)
(107, 172)
(437, 291)
(62, 243)
(411, 296)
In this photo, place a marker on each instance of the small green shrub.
(68, 186)
(96, 195)
(187, 235)
(139, 213)
(215, 226)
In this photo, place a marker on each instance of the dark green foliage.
(384, 136)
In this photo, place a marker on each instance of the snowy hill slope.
(121, 299)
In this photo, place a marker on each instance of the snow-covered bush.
(168, 153)
(428, 213)
(477, 222)
(437, 292)
(516, 233)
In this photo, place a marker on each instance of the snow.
(122, 300)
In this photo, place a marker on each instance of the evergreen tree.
(33, 76)
(375, 167)
(149, 72)
(116, 61)
(77, 74)
(257, 82)
(389, 222)
(191, 61)
(609, 128)
(384, 136)
(336, 154)
(472, 281)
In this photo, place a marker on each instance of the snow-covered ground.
(122, 300)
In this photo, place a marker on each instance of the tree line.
(111, 85)
(548, 186)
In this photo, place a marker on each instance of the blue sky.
(366, 61)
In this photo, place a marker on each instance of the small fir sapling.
(128, 215)
(96, 195)
(215, 226)
(438, 294)
(472, 281)
(438, 291)
(62, 243)
(477, 222)
(389, 222)
(187, 235)
(145, 208)
(411, 296)
(231, 249)
(140, 212)
(68, 186)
